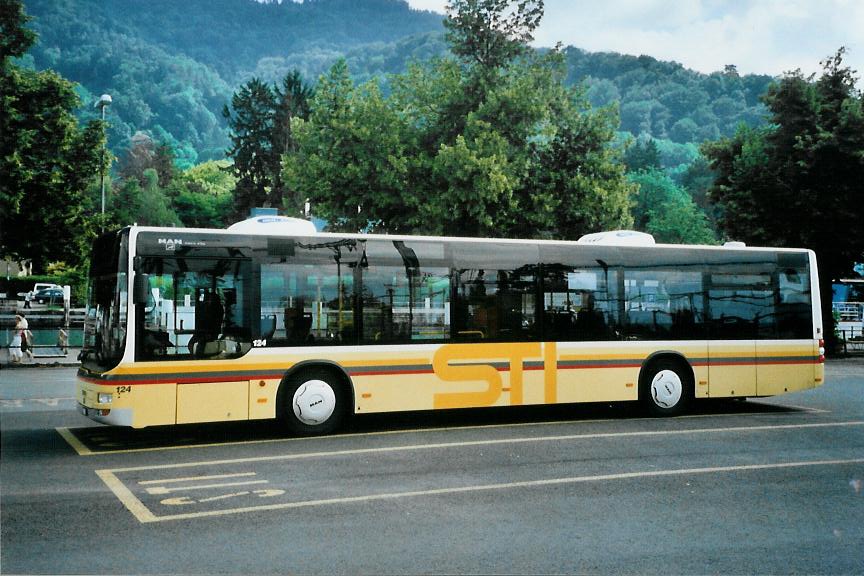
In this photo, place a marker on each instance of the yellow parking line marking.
(133, 504)
(501, 486)
(526, 440)
(196, 478)
(224, 496)
(143, 514)
(73, 441)
(422, 431)
(163, 490)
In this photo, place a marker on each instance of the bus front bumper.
(112, 416)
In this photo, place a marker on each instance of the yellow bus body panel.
(212, 402)
(150, 405)
(732, 368)
(780, 370)
(426, 377)
(262, 398)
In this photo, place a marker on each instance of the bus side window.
(496, 305)
(663, 303)
(405, 292)
(309, 292)
(742, 306)
(794, 308)
(196, 307)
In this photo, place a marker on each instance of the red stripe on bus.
(397, 372)
(598, 366)
(389, 372)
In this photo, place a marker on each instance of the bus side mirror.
(141, 288)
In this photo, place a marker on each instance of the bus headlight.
(105, 397)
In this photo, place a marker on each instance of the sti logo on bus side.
(459, 363)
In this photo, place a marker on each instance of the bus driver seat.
(209, 314)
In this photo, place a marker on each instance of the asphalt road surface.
(771, 485)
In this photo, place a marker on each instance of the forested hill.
(666, 100)
(230, 36)
(170, 65)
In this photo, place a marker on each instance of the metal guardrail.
(48, 337)
(852, 341)
(849, 311)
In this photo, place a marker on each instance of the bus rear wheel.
(314, 402)
(666, 387)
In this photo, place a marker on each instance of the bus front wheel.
(314, 402)
(666, 387)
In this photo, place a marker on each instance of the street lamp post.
(103, 101)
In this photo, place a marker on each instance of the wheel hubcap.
(666, 389)
(314, 402)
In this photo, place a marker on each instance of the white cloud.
(758, 36)
(433, 5)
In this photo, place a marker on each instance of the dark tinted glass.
(330, 291)
(663, 304)
(405, 293)
(197, 307)
(794, 303)
(742, 306)
(579, 303)
(307, 292)
(496, 290)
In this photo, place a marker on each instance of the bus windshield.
(107, 299)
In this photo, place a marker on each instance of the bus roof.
(407, 237)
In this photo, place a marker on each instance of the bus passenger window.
(496, 305)
(405, 293)
(196, 308)
(663, 304)
(794, 308)
(742, 306)
(308, 296)
(577, 305)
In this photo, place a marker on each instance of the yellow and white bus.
(195, 325)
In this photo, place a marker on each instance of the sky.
(757, 36)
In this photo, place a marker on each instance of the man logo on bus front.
(170, 243)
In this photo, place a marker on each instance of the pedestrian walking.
(16, 352)
(62, 340)
(27, 298)
(26, 335)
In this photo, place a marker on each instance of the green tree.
(655, 188)
(205, 196)
(15, 38)
(143, 204)
(261, 121)
(668, 212)
(580, 179)
(46, 159)
(477, 186)
(143, 154)
(797, 182)
(488, 33)
(349, 156)
(493, 146)
(252, 119)
(680, 221)
(642, 155)
(697, 179)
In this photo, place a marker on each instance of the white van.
(42, 285)
(36, 288)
